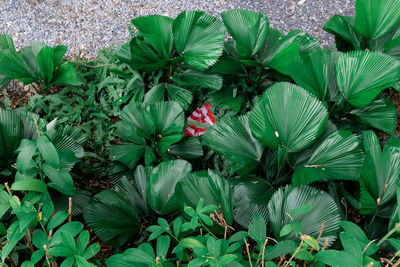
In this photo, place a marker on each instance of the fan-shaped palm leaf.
(161, 186)
(339, 156)
(196, 78)
(157, 30)
(380, 114)
(232, 138)
(278, 51)
(160, 123)
(362, 75)
(288, 117)
(178, 94)
(392, 48)
(311, 71)
(6, 42)
(209, 186)
(199, 38)
(343, 29)
(380, 173)
(248, 28)
(375, 18)
(112, 216)
(251, 196)
(324, 209)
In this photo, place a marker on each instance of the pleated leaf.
(278, 51)
(178, 94)
(196, 78)
(143, 56)
(157, 30)
(13, 66)
(232, 138)
(362, 75)
(248, 28)
(339, 156)
(343, 29)
(210, 187)
(380, 114)
(311, 71)
(112, 217)
(392, 48)
(251, 196)
(66, 75)
(375, 18)
(188, 148)
(6, 42)
(380, 173)
(288, 117)
(199, 38)
(46, 64)
(161, 186)
(11, 134)
(324, 209)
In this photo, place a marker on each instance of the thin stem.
(202, 224)
(248, 252)
(395, 229)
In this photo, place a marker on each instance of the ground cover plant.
(205, 142)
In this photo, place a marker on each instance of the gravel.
(86, 26)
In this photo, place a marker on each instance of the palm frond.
(362, 75)
(288, 117)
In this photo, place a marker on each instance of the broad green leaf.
(29, 185)
(338, 258)
(362, 75)
(232, 138)
(46, 64)
(248, 28)
(66, 75)
(209, 186)
(157, 30)
(57, 219)
(343, 29)
(251, 196)
(311, 71)
(62, 181)
(380, 113)
(375, 18)
(131, 257)
(13, 65)
(199, 38)
(6, 42)
(113, 218)
(324, 210)
(273, 123)
(191, 243)
(196, 78)
(279, 51)
(258, 229)
(48, 151)
(339, 156)
(161, 186)
(380, 173)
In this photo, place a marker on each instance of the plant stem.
(395, 229)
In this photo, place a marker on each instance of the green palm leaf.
(13, 66)
(157, 30)
(178, 94)
(209, 186)
(380, 114)
(232, 138)
(288, 117)
(113, 217)
(251, 196)
(196, 78)
(161, 186)
(380, 173)
(188, 148)
(324, 209)
(375, 18)
(46, 64)
(66, 75)
(362, 75)
(311, 71)
(339, 156)
(248, 28)
(143, 56)
(278, 51)
(199, 38)
(136, 190)
(6, 42)
(392, 48)
(343, 29)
